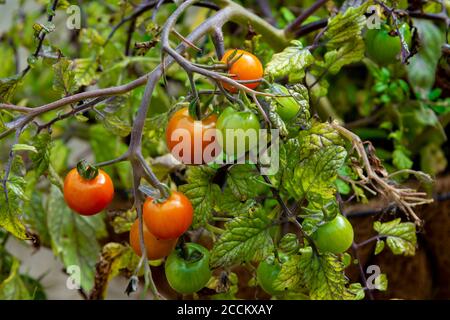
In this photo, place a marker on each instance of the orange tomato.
(168, 219)
(247, 67)
(156, 248)
(88, 197)
(188, 139)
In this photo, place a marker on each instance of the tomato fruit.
(156, 248)
(187, 270)
(168, 219)
(198, 142)
(335, 236)
(245, 66)
(88, 197)
(287, 107)
(239, 131)
(383, 47)
(267, 272)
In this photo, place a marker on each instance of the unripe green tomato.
(267, 272)
(384, 48)
(190, 274)
(287, 107)
(335, 236)
(237, 125)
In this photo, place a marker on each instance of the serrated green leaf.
(291, 62)
(8, 87)
(13, 287)
(400, 236)
(85, 71)
(324, 276)
(316, 174)
(379, 247)
(400, 159)
(246, 239)
(202, 193)
(116, 125)
(319, 136)
(245, 181)
(290, 276)
(381, 282)
(11, 208)
(289, 243)
(41, 159)
(35, 216)
(64, 77)
(73, 237)
(228, 204)
(345, 26)
(348, 53)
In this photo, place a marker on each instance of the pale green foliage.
(291, 62)
(246, 239)
(400, 236)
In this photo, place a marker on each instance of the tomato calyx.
(86, 170)
(233, 58)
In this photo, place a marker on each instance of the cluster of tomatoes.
(164, 221)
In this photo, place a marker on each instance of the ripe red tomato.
(156, 248)
(191, 141)
(88, 197)
(168, 219)
(247, 67)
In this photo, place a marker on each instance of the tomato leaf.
(13, 287)
(41, 159)
(379, 247)
(400, 236)
(74, 237)
(7, 87)
(64, 79)
(202, 193)
(245, 181)
(422, 66)
(291, 62)
(11, 207)
(246, 239)
(323, 276)
(289, 243)
(346, 27)
(228, 204)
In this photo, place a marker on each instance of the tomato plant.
(350, 122)
(181, 124)
(234, 125)
(244, 66)
(335, 236)
(170, 218)
(88, 196)
(384, 45)
(156, 248)
(187, 268)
